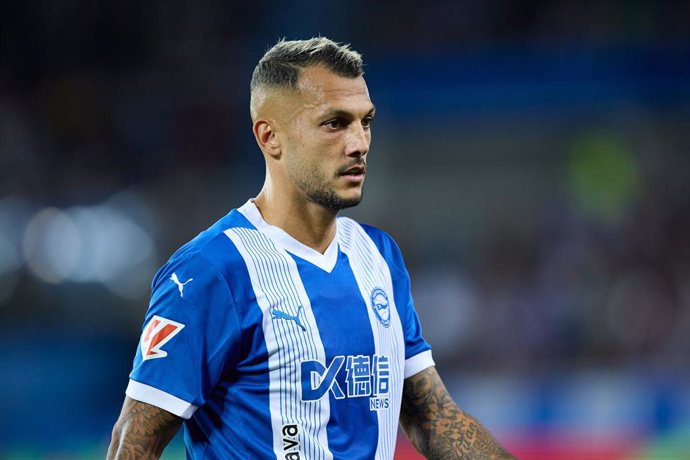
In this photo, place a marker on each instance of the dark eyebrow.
(345, 114)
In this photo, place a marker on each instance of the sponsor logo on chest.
(365, 377)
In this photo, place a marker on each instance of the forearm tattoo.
(438, 428)
(142, 431)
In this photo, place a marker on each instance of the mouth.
(355, 172)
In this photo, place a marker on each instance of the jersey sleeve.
(191, 335)
(417, 350)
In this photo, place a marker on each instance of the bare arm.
(142, 431)
(438, 428)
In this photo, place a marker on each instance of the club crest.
(381, 306)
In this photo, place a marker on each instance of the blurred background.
(532, 159)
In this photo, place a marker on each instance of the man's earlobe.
(266, 137)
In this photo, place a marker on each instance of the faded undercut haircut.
(282, 64)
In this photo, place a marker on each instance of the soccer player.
(284, 331)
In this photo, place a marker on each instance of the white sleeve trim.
(418, 363)
(150, 395)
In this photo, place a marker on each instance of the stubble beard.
(317, 190)
(329, 199)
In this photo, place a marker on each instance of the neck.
(309, 223)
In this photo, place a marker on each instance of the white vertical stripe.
(371, 271)
(277, 286)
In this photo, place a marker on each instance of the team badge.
(157, 333)
(381, 306)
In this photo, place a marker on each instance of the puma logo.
(180, 286)
(282, 315)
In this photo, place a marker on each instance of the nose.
(358, 140)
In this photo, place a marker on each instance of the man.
(284, 331)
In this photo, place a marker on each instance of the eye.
(334, 124)
(366, 122)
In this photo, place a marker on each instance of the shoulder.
(383, 241)
(381, 238)
(378, 236)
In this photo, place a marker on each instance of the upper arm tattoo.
(438, 428)
(142, 431)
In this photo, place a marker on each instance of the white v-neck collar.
(325, 261)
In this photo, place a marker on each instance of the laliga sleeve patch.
(157, 333)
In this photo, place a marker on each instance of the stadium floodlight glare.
(87, 244)
(51, 245)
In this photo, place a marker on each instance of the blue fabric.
(219, 362)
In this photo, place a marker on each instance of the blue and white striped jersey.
(270, 349)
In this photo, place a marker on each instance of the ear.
(266, 137)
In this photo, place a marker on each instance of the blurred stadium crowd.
(531, 158)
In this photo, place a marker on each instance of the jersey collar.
(325, 261)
